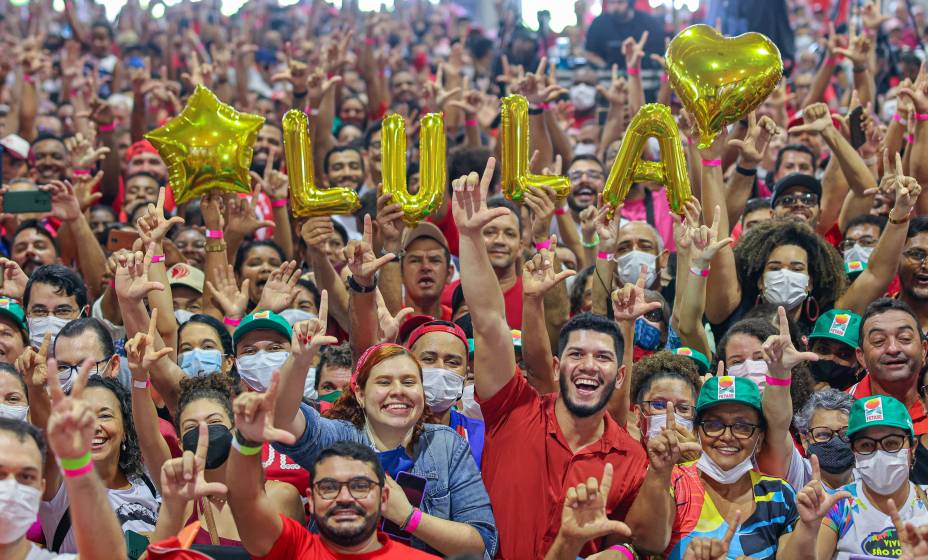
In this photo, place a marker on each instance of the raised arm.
(634, 52)
(316, 233)
(751, 152)
(494, 355)
(389, 238)
(362, 304)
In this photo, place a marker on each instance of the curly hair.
(578, 288)
(663, 365)
(826, 267)
(217, 387)
(130, 454)
(347, 407)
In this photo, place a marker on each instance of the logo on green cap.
(726, 387)
(839, 324)
(873, 410)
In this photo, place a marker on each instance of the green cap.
(840, 325)
(854, 268)
(702, 362)
(720, 390)
(262, 320)
(12, 310)
(879, 410)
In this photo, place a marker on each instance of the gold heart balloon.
(721, 79)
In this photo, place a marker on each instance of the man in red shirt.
(538, 447)
(348, 493)
(422, 270)
(892, 350)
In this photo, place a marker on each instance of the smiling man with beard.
(348, 495)
(49, 159)
(587, 177)
(33, 246)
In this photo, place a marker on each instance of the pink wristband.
(280, 203)
(157, 259)
(634, 71)
(921, 116)
(560, 211)
(28, 78)
(665, 78)
(712, 163)
(897, 117)
(546, 244)
(80, 172)
(414, 521)
(910, 138)
(214, 234)
(369, 41)
(231, 322)
(625, 552)
(701, 272)
(831, 61)
(78, 472)
(604, 256)
(470, 122)
(110, 127)
(113, 284)
(777, 382)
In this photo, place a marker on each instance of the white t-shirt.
(863, 530)
(38, 553)
(136, 508)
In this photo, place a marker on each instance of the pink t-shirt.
(634, 210)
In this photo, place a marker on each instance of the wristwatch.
(355, 287)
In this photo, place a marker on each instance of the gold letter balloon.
(721, 79)
(433, 173)
(654, 120)
(306, 199)
(208, 146)
(514, 142)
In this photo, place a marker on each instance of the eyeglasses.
(889, 444)
(659, 406)
(740, 430)
(865, 241)
(61, 312)
(806, 199)
(824, 434)
(359, 487)
(916, 255)
(73, 369)
(575, 176)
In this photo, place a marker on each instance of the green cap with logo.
(726, 389)
(879, 410)
(702, 362)
(840, 325)
(262, 320)
(853, 268)
(12, 310)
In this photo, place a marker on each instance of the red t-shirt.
(863, 388)
(278, 466)
(527, 487)
(511, 297)
(295, 542)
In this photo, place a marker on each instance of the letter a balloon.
(433, 173)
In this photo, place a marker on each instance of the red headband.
(364, 359)
(140, 147)
(435, 326)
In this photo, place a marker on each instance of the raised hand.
(254, 415)
(628, 302)
(390, 223)
(231, 299)
(617, 93)
(309, 336)
(140, 350)
(751, 149)
(316, 233)
(72, 422)
(542, 202)
(211, 208)
(132, 276)
(634, 50)
(538, 274)
(906, 189)
(152, 225)
(32, 363)
(706, 242)
(183, 478)
(65, 205)
(918, 93)
(14, 279)
(608, 218)
(780, 354)
(702, 548)
(469, 205)
(859, 46)
(362, 262)
(242, 218)
(817, 118)
(813, 502)
(280, 289)
(83, 189)
(388, 323)
(583, 517)
(665, 449)
(275, 183)
(83, 154)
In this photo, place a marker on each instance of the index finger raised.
(732, 527)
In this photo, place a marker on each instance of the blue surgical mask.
(647, 336)
(199, 362)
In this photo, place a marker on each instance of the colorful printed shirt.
(864, 530)
(775, 514)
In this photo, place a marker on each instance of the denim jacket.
(454, 489)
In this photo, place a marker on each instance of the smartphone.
(858, 138)
(21, 202)
(414, 488)
(136, 544)
(120, 239)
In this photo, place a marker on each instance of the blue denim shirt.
(454, 489)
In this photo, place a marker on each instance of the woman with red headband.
(385, 408)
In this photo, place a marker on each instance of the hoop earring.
(809, 301)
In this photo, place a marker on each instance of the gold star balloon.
(208, 146)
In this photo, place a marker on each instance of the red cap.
(140, 147)
(437, 326)
(412, 323)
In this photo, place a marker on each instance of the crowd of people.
(558, 377)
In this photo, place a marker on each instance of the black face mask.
(838, 376)
(834, 456)
(220, 442)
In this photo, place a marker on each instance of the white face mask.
(14, 412)
(715, 472)
(257, 369)
(39, 326)
(309, 388)
(442, 388)
(182, 315)
(656, 423)
(294, 316)
(67, 380)
(883, 472)
(469, 403)
(630, 267)
(583, 96)
(584, 149)
(755, 370)
(858, 253)
(19, 506)
(785, 287)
